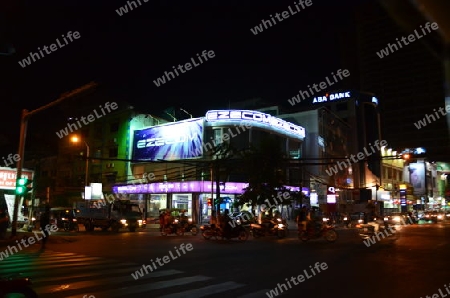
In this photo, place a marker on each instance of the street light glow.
(74, 139)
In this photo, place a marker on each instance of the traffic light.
(21, 186)
(209, 202)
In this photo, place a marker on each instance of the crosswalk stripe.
(258, 294)
(74, 275)
(102, 273)
(127, 291)
(37, 266)
(104, 281)
(206, 291)
(49, 261)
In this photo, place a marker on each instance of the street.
(412, 263)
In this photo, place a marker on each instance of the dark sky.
(126, 53)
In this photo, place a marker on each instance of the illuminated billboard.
(256, 119)
(417, 177)
(172, 141)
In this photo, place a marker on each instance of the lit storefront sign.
(331, 97)
(331, 195)
(255, 118)
(8, 177)
(179, 187)
(191, 186)
(173, 141)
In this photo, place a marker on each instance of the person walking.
(302, 219)
(4, 220)
(44, 221)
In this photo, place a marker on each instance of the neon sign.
(331, 97)
(255, 116)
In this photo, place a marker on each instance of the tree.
(264, 168)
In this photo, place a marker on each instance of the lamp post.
(76, 139)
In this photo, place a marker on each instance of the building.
(180, 157)
(320, 162)
(409, 81)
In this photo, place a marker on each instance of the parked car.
(432, 216)
(399, 218)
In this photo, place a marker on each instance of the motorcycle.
(173, 228)
(16, 286)
(212, 231)
(70, 225)
(326, 231)
(188, 226)
(276, 229)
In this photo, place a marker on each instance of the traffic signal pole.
(23, 132)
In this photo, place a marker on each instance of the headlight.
(140, 222)
(238, 221)
(360, 220)
(439, 216)
(280, 226)
(175, 221)
(190, 220)
(279, 219)
(324, 219)
(448, 215)
(74, 219)
(386, 218)
(345, 218)
(123, 221)
(397, 219)
(63, 218)
(33, 219)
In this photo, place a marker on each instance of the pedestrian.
(44, 221)
(4, 221)
(302, 219)
(161, 220)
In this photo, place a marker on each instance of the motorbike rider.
(4, 220)
(302, 219)
(224, 220)
(167, 219)
(275, 217)
(316, 219)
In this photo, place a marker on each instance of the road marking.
(206, 291)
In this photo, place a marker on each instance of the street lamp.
(76, 139)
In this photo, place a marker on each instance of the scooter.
(210, 231)
(213, 231)
(70, 225)
(278, 229)
(16, 286)
(188, 226)
(326, 231)
(174, 228)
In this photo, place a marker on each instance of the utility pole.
(23, 133)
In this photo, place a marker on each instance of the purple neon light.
(188, 186)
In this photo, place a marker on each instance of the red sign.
(8, 177)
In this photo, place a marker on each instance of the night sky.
(125, 54)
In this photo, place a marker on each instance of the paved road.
(413, 263)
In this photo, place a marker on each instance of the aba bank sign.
(255, 116)
(331, 97)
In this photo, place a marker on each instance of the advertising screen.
(173, 141)
(417, 177)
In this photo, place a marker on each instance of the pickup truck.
(116, 215)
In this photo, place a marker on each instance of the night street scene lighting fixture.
(76, 139)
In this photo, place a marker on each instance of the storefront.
(190, 195)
